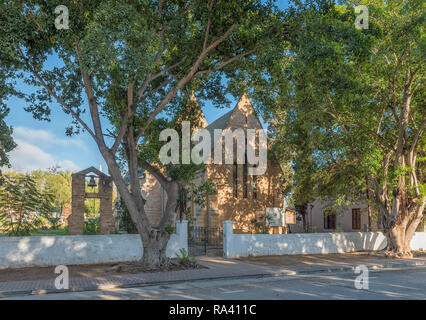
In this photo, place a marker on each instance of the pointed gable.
(244, 115)
(193, 113)
(91, 170)
(202, 119)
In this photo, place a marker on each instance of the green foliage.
(54, 222)
(22, 205)
(57, 183)
(170, 229)
(135, 61)
(184, 257)
(6, 141)
(337, 97)
(119, 43)
(91, 226)
(50, 232)
(187, 174)
(259, 225)
(125, 222)
(91, 207)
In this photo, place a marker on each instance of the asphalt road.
(391, 284)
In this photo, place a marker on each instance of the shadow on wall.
(318, 243)
(18, 252)
(55, 250)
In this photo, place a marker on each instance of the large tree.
(353, 107)
(57, 183)
(22, 204)
(6, 141)
(131, 60)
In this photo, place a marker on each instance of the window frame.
(329, 219)
(356, 219)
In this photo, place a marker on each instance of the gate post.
(228, 232)
(182, 233)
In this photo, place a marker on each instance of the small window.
(356, 219)
(329, 220)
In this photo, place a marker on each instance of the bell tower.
(79, 195)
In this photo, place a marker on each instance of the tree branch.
(151, 78)
(155, 172)
(125, 118)
(418, 134)
(93, 106)
(54, 95)
(171, 94)
(230, 60)
(209, 21)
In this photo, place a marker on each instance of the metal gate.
(200, 239)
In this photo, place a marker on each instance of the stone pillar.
(213, 216)
(76, 218)
(228, 232)
(107, 222)
(182, 233)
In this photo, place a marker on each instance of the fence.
(243, 245)
(203, 238)
(17, 252)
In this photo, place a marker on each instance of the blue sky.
(42, 144)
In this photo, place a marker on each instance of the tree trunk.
(154, 249)
(400, 234)
(155, 242)
(154, 238)
(395, 238)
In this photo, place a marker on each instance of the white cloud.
(28, 157)
(44, 138)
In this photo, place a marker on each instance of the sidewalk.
(217, 268)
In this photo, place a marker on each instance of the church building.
(240, 197)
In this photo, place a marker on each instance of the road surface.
(389, 284)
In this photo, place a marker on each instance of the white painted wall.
(243, 245)
(419, 241)
(18, 252)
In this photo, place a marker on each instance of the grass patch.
(41, 232)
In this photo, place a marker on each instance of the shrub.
(124, 219)
(91, 226)
(22, 205)
(184, 257)
(170, 229)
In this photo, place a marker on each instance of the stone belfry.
(79, 195)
